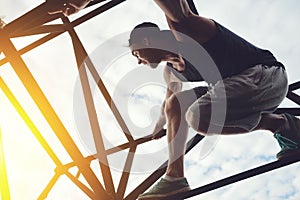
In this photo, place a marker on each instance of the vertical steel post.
(50, 115)
(4, 187)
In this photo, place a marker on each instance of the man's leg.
(177, 131)
(269, 121)
(177, 128)
(286, 129)
(246, 96)
(250, 99)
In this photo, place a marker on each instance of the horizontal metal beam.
(35, 18)
(294, 86)
(292, 111)
(235, 178)
(294, 97)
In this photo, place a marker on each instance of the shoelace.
(284, 142)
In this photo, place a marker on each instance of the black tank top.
(231, 54)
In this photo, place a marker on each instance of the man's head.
(146, 42)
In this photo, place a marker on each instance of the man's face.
(148, 56)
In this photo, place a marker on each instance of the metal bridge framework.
(35, 22)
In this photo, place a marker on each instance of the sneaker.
(165, 188)
(290, 146)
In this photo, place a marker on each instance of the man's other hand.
(66, 7)
(159, 134)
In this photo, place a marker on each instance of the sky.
(138, 92)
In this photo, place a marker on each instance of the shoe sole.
(295, 125)
(162, 196)
(295, 153)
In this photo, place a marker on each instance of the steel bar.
(8, 93)
(294, 97)
(10, 27)
(292, 111)
(48, 112)
(118, 148)
(94, 2)
(90, 105)
(126, 172)
(32, 46)
(235, 178)
(4, 187)
(192, 6)
(49, 186)
(110, 102)
(135, 142)
(159, 172)
(82, 186)
(36, 17)
(44, 29)
(97, 11)
(294, 86)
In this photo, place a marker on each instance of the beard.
(154, 56)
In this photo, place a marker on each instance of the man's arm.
(175, 10)
(181, 19)
(173, 85)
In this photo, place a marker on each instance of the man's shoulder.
(198, 28)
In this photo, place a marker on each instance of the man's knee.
(198, 120)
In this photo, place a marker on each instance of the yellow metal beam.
(29, 122)
(51, 117)
(4, 187)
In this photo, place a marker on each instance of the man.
(255, 83)
(246, 84)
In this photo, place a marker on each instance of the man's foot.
(289, 138)
(165, 188)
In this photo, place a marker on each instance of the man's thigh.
(238, 101)
(187, 97)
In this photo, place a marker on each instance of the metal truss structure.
(36, 22)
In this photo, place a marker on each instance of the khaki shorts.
(239, 101)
